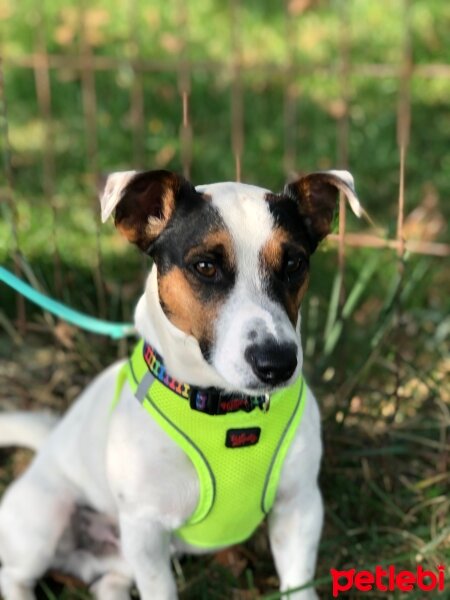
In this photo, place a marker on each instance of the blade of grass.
(382, 326)
(333, 305)
(355, 295)
(47, 591)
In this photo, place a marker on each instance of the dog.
(115, 484)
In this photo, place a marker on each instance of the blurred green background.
(305, 34)
(319, 87)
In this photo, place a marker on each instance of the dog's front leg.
(295, 525)
(145, 546)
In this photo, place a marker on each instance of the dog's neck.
(181, 352)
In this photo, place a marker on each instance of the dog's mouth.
(263, 378)
(258, 388)
(259, 369)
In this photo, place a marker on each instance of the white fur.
(248, 308)
(126, 467)
(181, 352)
(26, 429)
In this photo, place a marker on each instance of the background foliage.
(378, 360)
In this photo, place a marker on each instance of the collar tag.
(239, 438)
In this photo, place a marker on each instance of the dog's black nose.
(272, 363)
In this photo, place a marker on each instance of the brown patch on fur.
(155, 225)
(183, 307)
(219, 240)
(128, 231)
(272, 251)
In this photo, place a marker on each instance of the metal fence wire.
(89, 65)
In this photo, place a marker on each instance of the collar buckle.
(202, 400)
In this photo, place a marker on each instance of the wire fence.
(89, 65)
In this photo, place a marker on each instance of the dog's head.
(232, 262)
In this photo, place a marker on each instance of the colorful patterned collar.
(211, 401)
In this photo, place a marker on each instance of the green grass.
(377, 362)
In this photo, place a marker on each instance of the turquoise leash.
(99, 326)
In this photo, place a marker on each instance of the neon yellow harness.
(238, 456)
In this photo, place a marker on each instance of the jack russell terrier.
(209, 426)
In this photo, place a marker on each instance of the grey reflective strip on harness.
(144, 386)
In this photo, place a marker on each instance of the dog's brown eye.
(293, 265)
(206, 269)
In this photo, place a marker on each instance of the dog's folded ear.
(111, 192)
(316, 195)
(142, 203)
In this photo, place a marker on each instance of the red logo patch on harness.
(238, 438)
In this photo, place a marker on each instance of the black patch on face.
(193, 219)
(190, 222)
(287, 216)
(281, 287)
